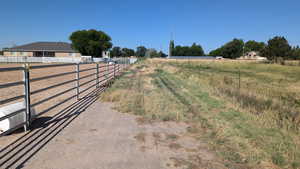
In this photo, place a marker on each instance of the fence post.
(239, 79)
(114, 70)
(124, 63)
(117, 69)
(97, 75)
(77, 80)
(27, 96)
(107, 72)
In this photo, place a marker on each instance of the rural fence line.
(26, 59)
(110, 72)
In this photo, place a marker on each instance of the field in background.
(248, 112)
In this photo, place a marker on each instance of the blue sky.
(151, 23)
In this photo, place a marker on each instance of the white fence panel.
(61, 60)
(97, 59)
(25, 59)
(132, 60)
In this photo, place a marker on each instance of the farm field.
(47, 107)
(247, 112)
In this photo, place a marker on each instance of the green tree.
(141, 51)
(233, 49)
(196, 50)
(252, 45)
(177, 51)
(278, 47)
(295, 53)
(151, 53)
(181, 51)
(126, 52)
(116, 52)
(91, 42)
(216, 52)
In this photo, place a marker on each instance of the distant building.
(193, 57)
(252, 56)
(43, 49)
(106, 54)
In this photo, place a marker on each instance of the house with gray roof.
(43, 49)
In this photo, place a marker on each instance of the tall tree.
(278, 47)
(252, 45)
(141, 51)
(116, 52)
(151, 53)
(126, 52)
(233, 49)
(91, 42)
(216, 52)
(181, 51)
(295, 53)
(196, 50)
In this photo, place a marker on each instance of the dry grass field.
(248, 112)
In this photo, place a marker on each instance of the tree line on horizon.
(275, 49)
(194, 50)
(94, 42)
(141, 51)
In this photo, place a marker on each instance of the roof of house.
(44, 46)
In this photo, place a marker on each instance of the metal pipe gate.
(109, 73)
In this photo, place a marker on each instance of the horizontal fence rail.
(66, 60)
(99, 74)
(11, 69)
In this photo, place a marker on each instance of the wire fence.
(80, 79)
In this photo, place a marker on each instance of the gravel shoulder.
(100, 137)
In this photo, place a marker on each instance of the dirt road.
(91, 135)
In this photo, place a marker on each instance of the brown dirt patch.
(141, 137)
